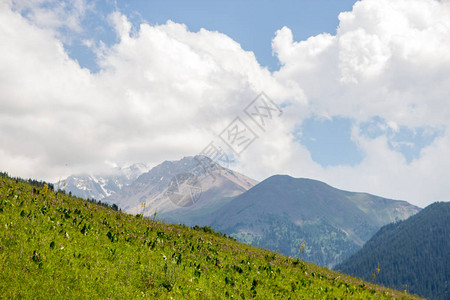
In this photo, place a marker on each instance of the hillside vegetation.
(414, 252)
(56, 246)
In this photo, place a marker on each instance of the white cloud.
(389, 59)
(163, 92)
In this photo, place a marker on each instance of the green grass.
(56, 246)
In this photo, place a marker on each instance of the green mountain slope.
(58, 247)
(414, 252)
(283, 212)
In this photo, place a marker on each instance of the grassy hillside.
(56, 246)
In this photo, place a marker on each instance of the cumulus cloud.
(389, 60)
(164, 92)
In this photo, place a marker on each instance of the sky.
(355, 94)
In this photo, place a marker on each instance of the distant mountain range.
(283, 212)
(279, 213)
(100, 186)
(412, 254)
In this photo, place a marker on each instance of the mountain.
(100, 186)
(414, 252)
(282, 212)
(184, 191)
(55, 246)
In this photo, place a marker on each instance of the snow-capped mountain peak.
(100, 186)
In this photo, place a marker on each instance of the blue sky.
(363, 85)
(251, 23)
